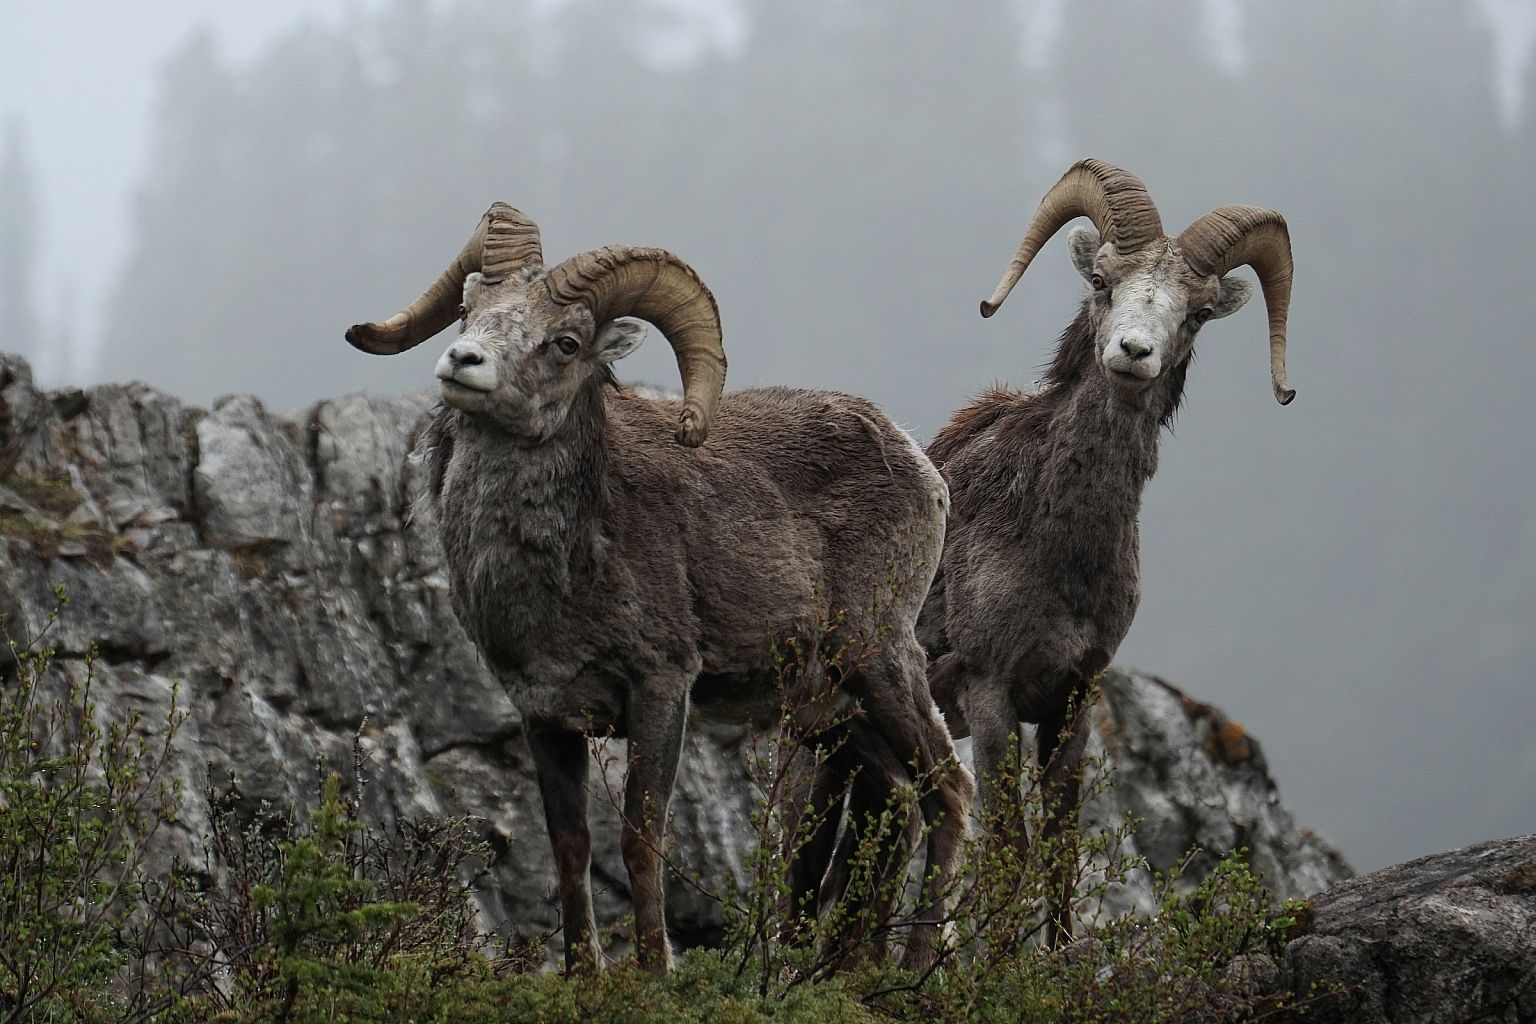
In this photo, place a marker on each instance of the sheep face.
(521, 359)
(1147, 306)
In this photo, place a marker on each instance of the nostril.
(1136, 348)
(465, 356)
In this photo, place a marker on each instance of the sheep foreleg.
(561, 761)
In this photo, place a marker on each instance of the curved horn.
(654, 285)
(1230, 236)
(1115, 200)
(505, 241)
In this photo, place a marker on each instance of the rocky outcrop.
(268, 572)
(1195, 780)
(1444, 939)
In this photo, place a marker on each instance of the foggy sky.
(81, 77)
(1353, 577)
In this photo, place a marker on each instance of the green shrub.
(322, 916)
(79, 801)
(703, 988)
(993, 964)
(335, 911)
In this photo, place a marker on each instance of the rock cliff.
(270, 569)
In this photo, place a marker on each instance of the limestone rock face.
(269, 573)
(1196, 780)
(251, 486)
(1446, 938)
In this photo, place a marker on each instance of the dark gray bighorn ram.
(622, 563)
(1041, 571)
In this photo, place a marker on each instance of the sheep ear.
(617, 339)
(473, 285)
(1083, 243)
(1235, 293)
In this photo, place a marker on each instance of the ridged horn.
(654, 285)
(1230, 236)
(1115, 200)
(505, 241)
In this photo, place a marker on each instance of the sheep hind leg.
(946, 804)
(909, 723)
(816, 789)
(864, 884)
(1061, 742)
(656, 726)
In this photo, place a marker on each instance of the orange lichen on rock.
(1234, 743)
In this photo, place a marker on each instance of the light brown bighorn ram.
(1041, 577)
(622, 563)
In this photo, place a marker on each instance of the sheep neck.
(1100, 449)
(1083, 483)
(529, 535)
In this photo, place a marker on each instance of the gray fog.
(81, 81)
(1353, 577)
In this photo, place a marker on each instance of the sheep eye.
(568, 345)
(1201, 316)
(1097, 282)
(463, 311)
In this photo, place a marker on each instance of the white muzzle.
(467, 364)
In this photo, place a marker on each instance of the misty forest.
(1351, 576)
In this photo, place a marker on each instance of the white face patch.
(468, 364)
(472, 360)
(1140, 330)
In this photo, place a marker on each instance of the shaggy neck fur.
(530, 537)
(1075, 455)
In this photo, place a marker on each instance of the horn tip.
(691, 428)
(1284, 395)
(988, 307)
(371, 338)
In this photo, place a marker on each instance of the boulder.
(1445, 939)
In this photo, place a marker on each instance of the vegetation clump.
(336, 920)
(44, 512)
(80, 800)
